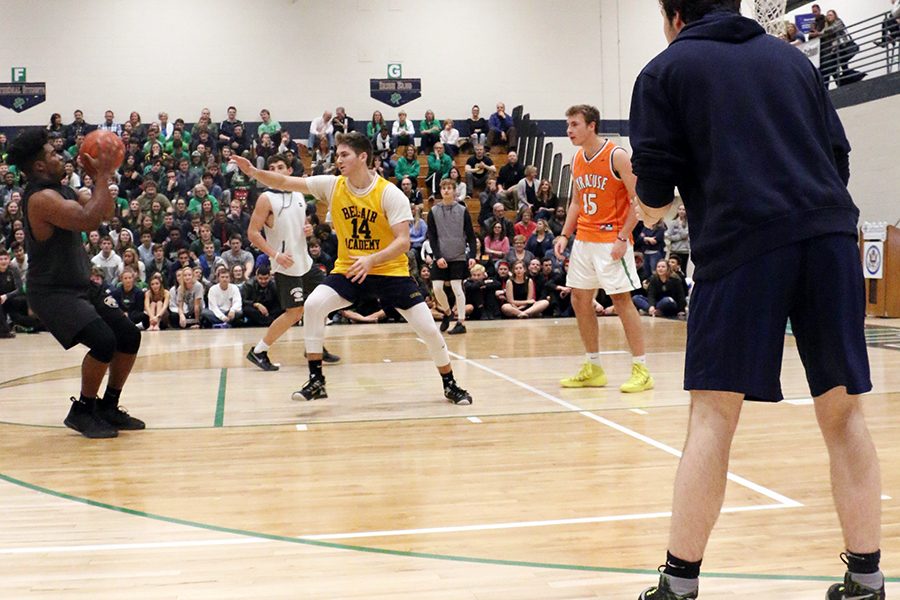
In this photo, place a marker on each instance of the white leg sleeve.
(420, 319)
(440, 296)
(319, 304)
(457, 286)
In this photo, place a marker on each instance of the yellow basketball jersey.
(362, 228)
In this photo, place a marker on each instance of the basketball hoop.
(770, 14)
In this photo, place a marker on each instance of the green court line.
(447, 557)
(220, 399)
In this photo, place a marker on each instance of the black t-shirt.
(474, 160)
(478, 126)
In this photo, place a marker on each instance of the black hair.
(27, 148)
(694, 10)
(263, 270)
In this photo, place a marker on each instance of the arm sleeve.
(470, 235)
(432, 236)
(395, 205)
(322, 186)
(657, 155)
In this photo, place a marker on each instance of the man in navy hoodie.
(742, 124)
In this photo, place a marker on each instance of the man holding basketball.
(742, 124)
(59, 289)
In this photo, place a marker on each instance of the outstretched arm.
(270, 178)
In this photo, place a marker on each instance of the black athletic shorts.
(66, 311)
(457, 269)
(293, 291)
(393, 292)
(737, 323)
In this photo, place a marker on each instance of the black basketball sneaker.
(314, 389)
(261, 360)
(456, 394)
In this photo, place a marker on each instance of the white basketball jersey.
(287, 237)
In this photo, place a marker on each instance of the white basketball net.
(770, 14)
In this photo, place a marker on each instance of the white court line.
(800, 401)
(639, 411)
(784, 500)
(886, 497)
(302, 427)
(520, 524)
(475, 420)
(235, 541)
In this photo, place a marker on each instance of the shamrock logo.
(19, 103)
(395, 98)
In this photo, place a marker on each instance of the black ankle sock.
(112, 395)
(315, 368)
(863, 563)
(677, 567)
(447, 378)
(88, 400)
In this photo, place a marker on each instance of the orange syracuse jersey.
(602, 195)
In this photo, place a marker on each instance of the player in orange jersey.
(601, 217)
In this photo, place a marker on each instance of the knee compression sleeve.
(319, 304)
(100, 340)
(128, 336)
(420, 319)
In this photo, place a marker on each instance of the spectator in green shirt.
(201, 194)
(408, 166)
(268, 125)
(430, 130)
(439, 165)
(375, 125)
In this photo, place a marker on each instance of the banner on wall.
(812, 50)
(22, 96)
(395, 92)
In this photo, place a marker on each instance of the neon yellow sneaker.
(640, 380)
(590, 375)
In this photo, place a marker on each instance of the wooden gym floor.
(386, 491)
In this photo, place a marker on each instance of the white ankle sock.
(261, 347)
(593, 358)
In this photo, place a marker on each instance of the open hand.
(360, 268)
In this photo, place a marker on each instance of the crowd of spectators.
(176, 253)
(837, 46)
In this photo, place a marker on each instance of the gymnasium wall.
(298, 57)
(873, 130)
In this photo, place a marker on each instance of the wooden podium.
(882, 295)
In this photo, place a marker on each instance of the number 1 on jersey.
(587, 203)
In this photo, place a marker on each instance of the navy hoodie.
(742, 124)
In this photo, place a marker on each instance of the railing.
(877, 51)
(533, 151)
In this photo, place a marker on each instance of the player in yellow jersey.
(601, 217)
(371, 219)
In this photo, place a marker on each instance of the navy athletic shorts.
(737, 323)
(392, 291)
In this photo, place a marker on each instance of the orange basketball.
(105, 147)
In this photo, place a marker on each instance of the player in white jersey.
(283, 216)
